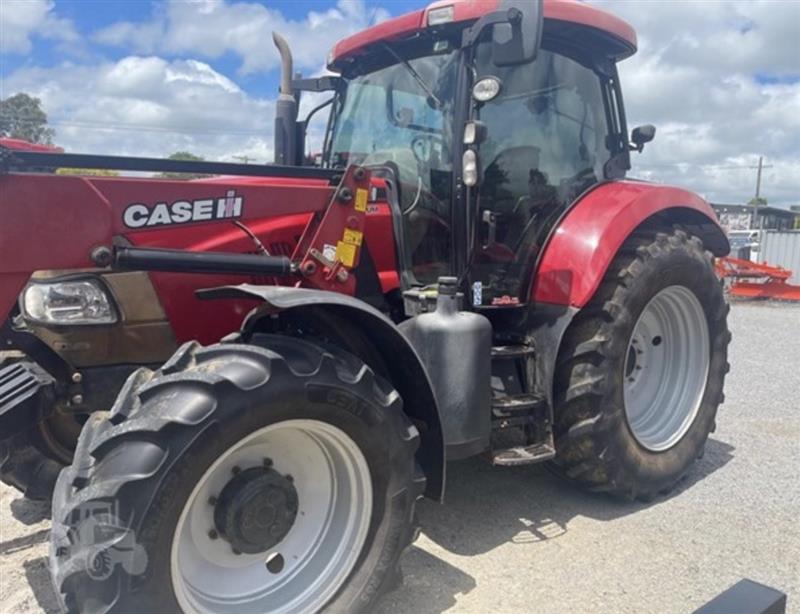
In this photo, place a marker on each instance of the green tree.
(188, 157)
(22, 117)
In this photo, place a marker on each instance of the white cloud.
(21, 20)
(149, 106)
(721, 81)
(212, 28)
(694, 77)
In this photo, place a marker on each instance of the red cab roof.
(574, 11)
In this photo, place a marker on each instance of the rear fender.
(364, 331)
(583, 244)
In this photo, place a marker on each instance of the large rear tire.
(171, 489)
(641, 370)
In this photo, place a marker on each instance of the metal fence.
(781, 248)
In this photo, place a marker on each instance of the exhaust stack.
(285, 108)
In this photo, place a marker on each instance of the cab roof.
(573, 12)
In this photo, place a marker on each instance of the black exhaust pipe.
(182, 261)
(285, 109)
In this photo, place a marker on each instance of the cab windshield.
(401, 117)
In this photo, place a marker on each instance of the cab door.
(547, 142)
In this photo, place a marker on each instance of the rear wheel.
(641, 370)
(251, 480)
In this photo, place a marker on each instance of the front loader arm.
(54, 222)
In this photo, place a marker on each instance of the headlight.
(79, 301)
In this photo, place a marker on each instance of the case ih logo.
(139, 215)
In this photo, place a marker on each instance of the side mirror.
(516, 31)
(641, 135)
(517, 40)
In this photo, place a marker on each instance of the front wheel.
(241, 479)
(641, 370)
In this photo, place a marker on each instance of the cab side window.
(546, 144)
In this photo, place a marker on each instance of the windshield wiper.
(420, 81)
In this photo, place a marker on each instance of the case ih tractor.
(467, 273)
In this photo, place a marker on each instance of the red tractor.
(467, 273)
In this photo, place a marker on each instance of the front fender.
(355, 318)
(583, 244)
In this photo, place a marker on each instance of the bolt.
(212, 500)
(268, 462)
(212, 534)
(101, 256)
(308, 268)
(358, 173)
(345, 195)
(236, 470)
(77, 378)
(638, 367)
(77, 399)
(342, 275)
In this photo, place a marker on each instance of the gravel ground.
(519, 540)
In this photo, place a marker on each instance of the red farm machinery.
(749, 280)
(468, 272)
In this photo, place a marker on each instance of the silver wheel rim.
(334, 490)
(666, 368)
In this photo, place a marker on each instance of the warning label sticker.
(329, 252)
(353, 237)
(346, 253)
(362, 196)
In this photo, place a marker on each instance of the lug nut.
(289, 478)
(212, 500)
(236, 551)
(236, 470)
(268, 462)
(77, 399)
(212, 534)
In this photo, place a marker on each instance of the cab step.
(516, 405)
(523, 455)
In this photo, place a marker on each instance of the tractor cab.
(487, 126)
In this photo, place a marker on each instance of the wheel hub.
(666, 368)
(256, 510)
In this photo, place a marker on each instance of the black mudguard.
(405, 369)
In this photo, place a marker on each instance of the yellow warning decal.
(361, 199)
(353, 237)
(346, 253)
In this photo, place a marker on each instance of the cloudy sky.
(720, 80)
